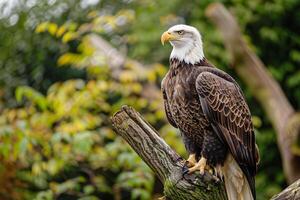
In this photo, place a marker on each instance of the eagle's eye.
(180, 32)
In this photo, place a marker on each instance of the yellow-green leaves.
(47, 26)
(33, 95)
(69, 36)
(66, 32)
(70, 58)
(66, 132)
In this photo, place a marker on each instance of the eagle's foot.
(200, 165)
(215, 179)
(191, 161)
(215, 173)
(162, 198)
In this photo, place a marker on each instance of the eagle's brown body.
(208, 107)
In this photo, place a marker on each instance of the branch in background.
(164, 161)
(117, 61)
(266, 90)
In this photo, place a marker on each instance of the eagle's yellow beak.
(167, 36)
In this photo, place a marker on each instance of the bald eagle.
(208, 107)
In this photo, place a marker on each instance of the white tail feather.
(236, 183)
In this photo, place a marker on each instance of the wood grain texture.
(290, 193)
(163, 160)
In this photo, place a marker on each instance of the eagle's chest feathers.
(184, 102)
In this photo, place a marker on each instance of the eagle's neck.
(190, 53)
(175, 64)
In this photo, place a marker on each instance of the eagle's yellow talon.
(162, 198)
(200, 165)
(191, 161)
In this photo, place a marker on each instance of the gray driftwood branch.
(164, 161)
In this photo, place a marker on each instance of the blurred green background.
(57, 93)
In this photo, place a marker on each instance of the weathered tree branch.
(168, 165)
(114, 58)
(164, 161)
(267, 91)
(290, 193)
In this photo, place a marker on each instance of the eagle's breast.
(184, 103)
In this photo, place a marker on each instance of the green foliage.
(268, 184)
(56, 140)
(28, 58)
(65, 144)
(35, 97)
(63, 141)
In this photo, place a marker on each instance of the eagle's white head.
(186, 41)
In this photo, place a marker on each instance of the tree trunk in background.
(164, 161)
(266, 90)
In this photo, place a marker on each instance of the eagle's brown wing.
(224, 105)
(167, 108)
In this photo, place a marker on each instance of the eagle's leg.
(200, 165)
(192, 150)
(215, 152)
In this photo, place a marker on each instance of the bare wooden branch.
(164, 161)
(290, 193)
(263, 86)
(114, 58)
